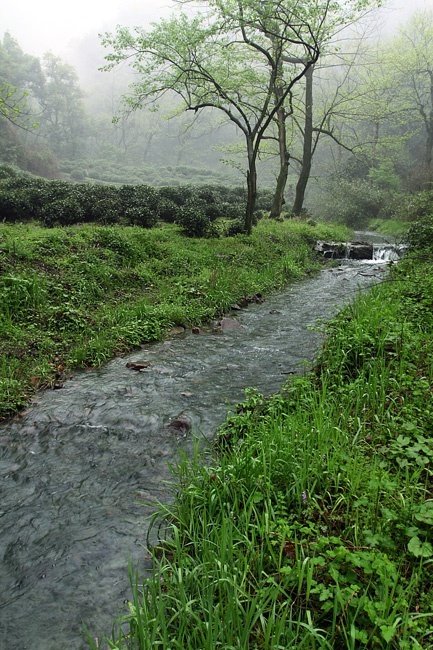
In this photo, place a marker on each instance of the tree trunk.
(278, 200)
(251, 188)
(307, 153)
(429, 157)
(147, 145)
(429, 142)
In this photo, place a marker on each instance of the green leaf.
(409, 426)
(388, 632)
(325, 594)
(419, 548)
(425, 513)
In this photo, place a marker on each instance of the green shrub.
(412, 207)
(168, 210)
(14, 206)
(194, 221)
(24, 198)
(67, 166)
(179, 195)
(8, 171)
(264, 200)
(420, 234)
(78, 175)
(101, 203)
(235, 228)
(21, 197)
(234, 211)
(140, 204)
(65, 211)
(213, 211)
(354, 202)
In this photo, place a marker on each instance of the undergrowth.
(310, 525)
(74, 297)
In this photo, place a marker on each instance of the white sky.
(42, 25)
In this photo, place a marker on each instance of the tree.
(223, 61)
(13, 103)
(339, 16)
(63, 118)
(21, 84)
(336, 96)
(411, 56)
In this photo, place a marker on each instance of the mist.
(160, 144)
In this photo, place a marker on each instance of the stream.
(81, 469)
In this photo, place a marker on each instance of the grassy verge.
(312, 526)
(74, 297)
(392, 227)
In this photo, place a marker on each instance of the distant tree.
(63, 120)
(222, 61)
(21, 84)
(411, 57)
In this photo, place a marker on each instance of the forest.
(163, 208)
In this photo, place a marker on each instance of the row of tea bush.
(26, 198)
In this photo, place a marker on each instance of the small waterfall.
(388, 252)
(361, 250)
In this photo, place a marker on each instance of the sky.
(56, 25)
(42, 25)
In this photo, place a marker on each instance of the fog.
(146, 146)
(59, 26)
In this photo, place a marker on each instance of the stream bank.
(83, 467)
(76, 297)
(311, 528)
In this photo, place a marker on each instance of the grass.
(310, 524)
(392, 227)
(75, 297)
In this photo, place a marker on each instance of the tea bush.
(168, 210)
(194, 221)
(26, 198)
(64, 212)
(139, 204)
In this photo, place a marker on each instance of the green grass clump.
(311, 525)
(76, 296)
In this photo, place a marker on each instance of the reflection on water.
(80, 470)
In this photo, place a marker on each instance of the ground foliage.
(310, 527)
(75, 296)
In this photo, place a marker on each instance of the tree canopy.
(229, 59)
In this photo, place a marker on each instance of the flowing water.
(81, 468)
(383, 251)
